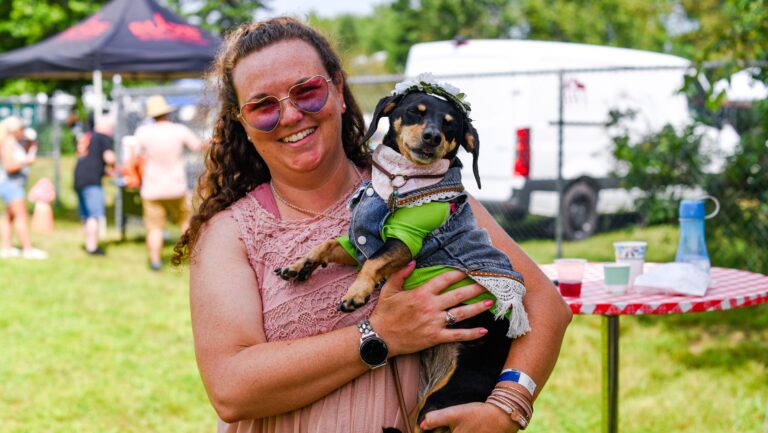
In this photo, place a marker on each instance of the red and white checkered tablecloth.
(730, 288)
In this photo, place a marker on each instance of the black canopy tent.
(135, 39)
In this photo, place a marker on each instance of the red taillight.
(523, 160)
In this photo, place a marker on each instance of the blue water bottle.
(693, 247)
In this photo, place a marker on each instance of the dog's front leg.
(329, 251)
(393, 255)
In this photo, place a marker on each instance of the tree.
(217, 16)
(429, 20)
(636, 24)
(24, 23)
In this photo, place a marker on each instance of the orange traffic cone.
(42, 194)
(42, 218)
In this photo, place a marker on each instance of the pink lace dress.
(294, 310)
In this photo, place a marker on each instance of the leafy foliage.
(629, 23)
(743, 190)
(24, 23)
(439, 20)
(661, 164)
(217, 16)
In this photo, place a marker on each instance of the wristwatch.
(373, 350)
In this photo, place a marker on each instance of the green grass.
(104, 345)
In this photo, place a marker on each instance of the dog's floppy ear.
(383, 108)
(471, 143)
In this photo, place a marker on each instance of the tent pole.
(119, 133)
(98, 94)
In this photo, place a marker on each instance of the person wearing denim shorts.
(94, 156)
(14, 160)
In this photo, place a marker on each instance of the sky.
(324, 8)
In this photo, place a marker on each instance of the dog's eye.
(415, 111)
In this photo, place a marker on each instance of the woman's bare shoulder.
(219, 234)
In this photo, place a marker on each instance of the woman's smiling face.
(300, 141)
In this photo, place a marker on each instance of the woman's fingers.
(440, 282)
(462, 312)
(459, 295)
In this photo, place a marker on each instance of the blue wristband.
(517, 376)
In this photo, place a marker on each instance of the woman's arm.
(8, 157)
(535, 353)
(247, 377)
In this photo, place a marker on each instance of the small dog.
(415, 207)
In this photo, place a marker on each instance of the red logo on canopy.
(158, 29)
(89, 29)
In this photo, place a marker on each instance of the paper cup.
(616, 277)
(633, 254)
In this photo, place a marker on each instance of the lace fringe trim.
(509, 296)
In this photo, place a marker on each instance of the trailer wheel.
(579, 210)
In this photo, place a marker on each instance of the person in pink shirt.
(286, 154)
(164, 183)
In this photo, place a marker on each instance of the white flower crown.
(427, 83)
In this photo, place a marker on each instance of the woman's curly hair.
(232, 165)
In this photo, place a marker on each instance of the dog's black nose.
(431, 137)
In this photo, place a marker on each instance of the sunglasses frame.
(328, 81)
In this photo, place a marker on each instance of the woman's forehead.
(276, 67)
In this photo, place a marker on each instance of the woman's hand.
(471, 418)
(413, 320)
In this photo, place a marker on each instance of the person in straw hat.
(164, 185)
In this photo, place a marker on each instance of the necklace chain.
(308, 211)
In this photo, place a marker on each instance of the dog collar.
(393, 174)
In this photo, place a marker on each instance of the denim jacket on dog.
(458, 243)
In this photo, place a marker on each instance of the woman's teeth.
(297, 136)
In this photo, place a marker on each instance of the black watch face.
(374, 351)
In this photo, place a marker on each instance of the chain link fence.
(566, 154)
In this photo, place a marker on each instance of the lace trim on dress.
(296, 309)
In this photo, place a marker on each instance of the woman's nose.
(291, 114)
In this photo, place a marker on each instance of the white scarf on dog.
(400, 166)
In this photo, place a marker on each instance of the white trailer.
(514, 90)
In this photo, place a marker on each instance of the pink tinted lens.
(263, 114)
(311, 95)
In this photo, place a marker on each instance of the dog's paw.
(352, 304)
(298, 271)
(358, 295)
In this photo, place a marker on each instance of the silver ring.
(450, 319)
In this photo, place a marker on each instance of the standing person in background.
(14, 162)
(95, 155)
(164, 182)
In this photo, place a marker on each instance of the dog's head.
(425, 128)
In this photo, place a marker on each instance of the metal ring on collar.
(450, 319)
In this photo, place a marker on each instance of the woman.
(276, 356)
(14, 169)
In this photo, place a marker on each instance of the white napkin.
(673, 279)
